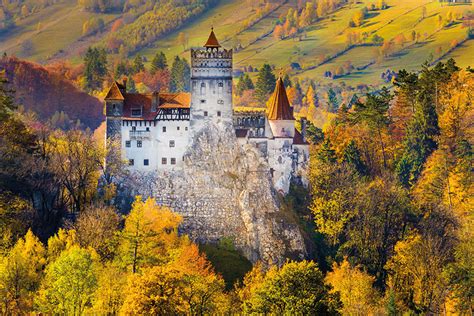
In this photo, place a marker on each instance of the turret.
(211, 84)
(280, 113)
(114, 111)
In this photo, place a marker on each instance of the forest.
(387, 215)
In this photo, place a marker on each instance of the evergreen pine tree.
(245, 83)
(265, 83)
(131, 87)
(325, 153)
(391, 305)
(423, 130)
(180, 75)
(95, 67)
(138, 65)
(314, 134)
(353, 158)
(333, 103)
(159, 62)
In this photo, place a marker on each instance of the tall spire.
(279, 107)
(212, 41)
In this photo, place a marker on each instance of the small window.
(131, 162)
(136, 112)
(172, 143)
(221, 85)
(163, 161)
(186, 128)
(218, 113)
(177, 128)
(205, 113)
(164, 129)
(173, 161)
(146, 162)
(134, 128)
(147, 129)
(128, 143)
(203, 101)
(139, 143)
(220, 101)
(114, 106)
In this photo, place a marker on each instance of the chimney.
(303, 127)
(155, 100)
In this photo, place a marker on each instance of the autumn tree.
(69, 284)
(355, 288)
(77, 160)
(97, 228)
(20, 275)
(148, 233)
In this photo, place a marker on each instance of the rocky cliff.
(225, 190)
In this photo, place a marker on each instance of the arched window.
(220, 88)
(203, 88)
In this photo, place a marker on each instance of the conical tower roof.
(279, 107)
(212, 41)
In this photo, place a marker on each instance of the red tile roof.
(298, 139)
(138, 101)
(212, 41)
(279, 107)
(180, 100)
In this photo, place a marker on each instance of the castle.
(155, 130)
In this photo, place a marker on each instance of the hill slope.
(414, 31)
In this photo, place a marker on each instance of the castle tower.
(114, 110)
(280, 113)
(211, 84)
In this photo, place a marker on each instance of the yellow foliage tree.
(354, 287)
(150, 231)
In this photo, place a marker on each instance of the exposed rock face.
(225, 190)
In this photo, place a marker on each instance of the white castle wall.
(155, 144)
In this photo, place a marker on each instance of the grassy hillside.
(327, 37)
(322, 45)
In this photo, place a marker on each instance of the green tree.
(69, 284)
(180, 75)
(244, 84)
(95, 67)
(423, 129)
(353, 158)
(266, 82)
(159, 62)
(138, 65)
(297, 288)
(314, 134)
(374, 113)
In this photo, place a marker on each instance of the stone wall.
(225, 190)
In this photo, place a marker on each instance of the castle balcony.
(140, 135)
